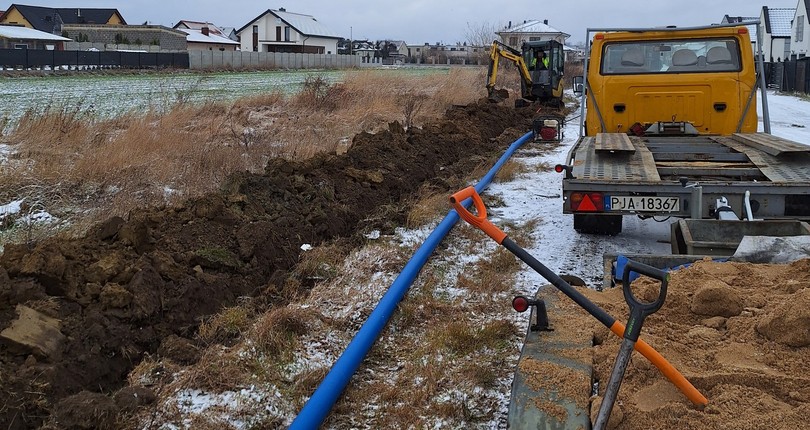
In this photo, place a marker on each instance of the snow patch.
(11, 208)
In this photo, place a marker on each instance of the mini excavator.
(540, 65)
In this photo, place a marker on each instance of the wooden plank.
(614, 142)
(648, 161)
(783, 170)
(770, 144)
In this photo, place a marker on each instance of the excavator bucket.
(497, 95)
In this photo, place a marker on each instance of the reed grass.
(162, 157)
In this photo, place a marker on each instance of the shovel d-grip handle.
(638, 309)
(479, 219)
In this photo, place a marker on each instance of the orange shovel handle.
(480, 218)
(669, 371)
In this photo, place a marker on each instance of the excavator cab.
(546, 61)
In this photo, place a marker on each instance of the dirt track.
(95, 306)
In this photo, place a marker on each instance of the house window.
(800, 29)
(513, 40)
(278, 33)
(534, 39)
(255, 38)
(286, 34)
(20, 46)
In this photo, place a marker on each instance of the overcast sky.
(420, 21)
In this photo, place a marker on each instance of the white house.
(774, 26)
(529, 31)
(800, 30)
(205, 36)
(282, 31)
(746, 20)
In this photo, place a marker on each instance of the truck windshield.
(671, 56)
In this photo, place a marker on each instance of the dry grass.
(573, 68)
(276, 331)
(227, 325)
(321, 263)
(103, 168)
(510, 170)
(430, 205)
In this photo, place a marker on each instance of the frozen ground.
(108, 96)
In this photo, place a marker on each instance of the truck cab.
(703, 78)
(669, 129)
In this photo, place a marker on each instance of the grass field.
(64, 157)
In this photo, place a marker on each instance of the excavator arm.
(499, 50)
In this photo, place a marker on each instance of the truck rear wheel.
(609, 225)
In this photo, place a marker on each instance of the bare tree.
(481, 34)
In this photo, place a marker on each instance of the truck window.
(671, 56)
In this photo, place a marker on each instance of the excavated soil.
(739, 332)
(77, 315)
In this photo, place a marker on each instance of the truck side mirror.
(579, 85)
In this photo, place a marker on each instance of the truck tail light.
(587, 202)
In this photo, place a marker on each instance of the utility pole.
(351, 40)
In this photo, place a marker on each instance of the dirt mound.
(142, 284)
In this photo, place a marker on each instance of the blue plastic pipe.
(317, 408)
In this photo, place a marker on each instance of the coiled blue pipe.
(317, 408)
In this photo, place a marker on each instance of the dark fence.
(793, 75)
(38, 59)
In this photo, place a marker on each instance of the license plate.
(643, 204)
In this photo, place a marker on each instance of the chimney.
(281, 9)
(205, 31)
(545, 21)
(510, 25)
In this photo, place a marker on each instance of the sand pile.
(739, 332)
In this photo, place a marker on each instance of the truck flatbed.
(774, 171)
(755, 156)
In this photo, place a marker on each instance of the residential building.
(282, 31)
(439, 53)
(51, 20)
(96, 28)
(19, 37)
(573, 53)
(206, 36)
(774, 26)
(393, 51)
(747, 21)
(230, 33)
(129, 37)
(530, 31)
(800, 30)
(361, 48)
